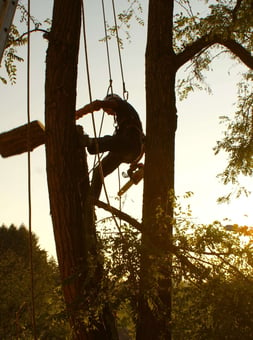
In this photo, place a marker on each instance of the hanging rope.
(93, 120)
(88, 80)
(125, 92)
(29, 174)
(110, 88)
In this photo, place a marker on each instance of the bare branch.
(123, 216)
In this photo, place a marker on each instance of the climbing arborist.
(126, 145)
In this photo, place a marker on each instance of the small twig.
(26, 33)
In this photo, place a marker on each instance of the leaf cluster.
(238, 139)
(10, 56)
(212, 279)
(218, 309)
(121, 252)
(124, 18)
(188, 27)
(16, 40)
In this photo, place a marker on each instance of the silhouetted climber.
(126, 145)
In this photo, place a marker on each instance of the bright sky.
(198, 129)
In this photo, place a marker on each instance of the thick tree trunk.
(68, 182)
(155, 282)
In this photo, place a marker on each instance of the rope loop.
(110, 88)
(125, 93)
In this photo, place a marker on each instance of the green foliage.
(121, 264)
(217, 309)
(238, 139)
(223, 19)
(212, 280)
(188, 27)
(15, 289)
(10, 57)
(230, 21)
(15, 41)
(212, 277)
(133, 12)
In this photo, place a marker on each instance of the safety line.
(93, 120)
(110, 88)
(88, 78)
(125, 92)
(29, 175)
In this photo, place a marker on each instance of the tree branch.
(133, 222)
(239, 51)
(191, 50)
(123, 216)
(236, 8)
(208, 40)
(45, 35)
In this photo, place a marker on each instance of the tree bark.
(68, 180)
(155, 281)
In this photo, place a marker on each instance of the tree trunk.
(67, 173)
(155, 281)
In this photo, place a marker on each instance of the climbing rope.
(93, 119)
(29, 173)
(125, 92)
(110, 88)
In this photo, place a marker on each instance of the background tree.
(15, 289)
(172, 42)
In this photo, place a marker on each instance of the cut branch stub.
(21, 139)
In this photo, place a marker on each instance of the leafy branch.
(16, 40)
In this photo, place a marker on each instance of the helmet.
(112, 97)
